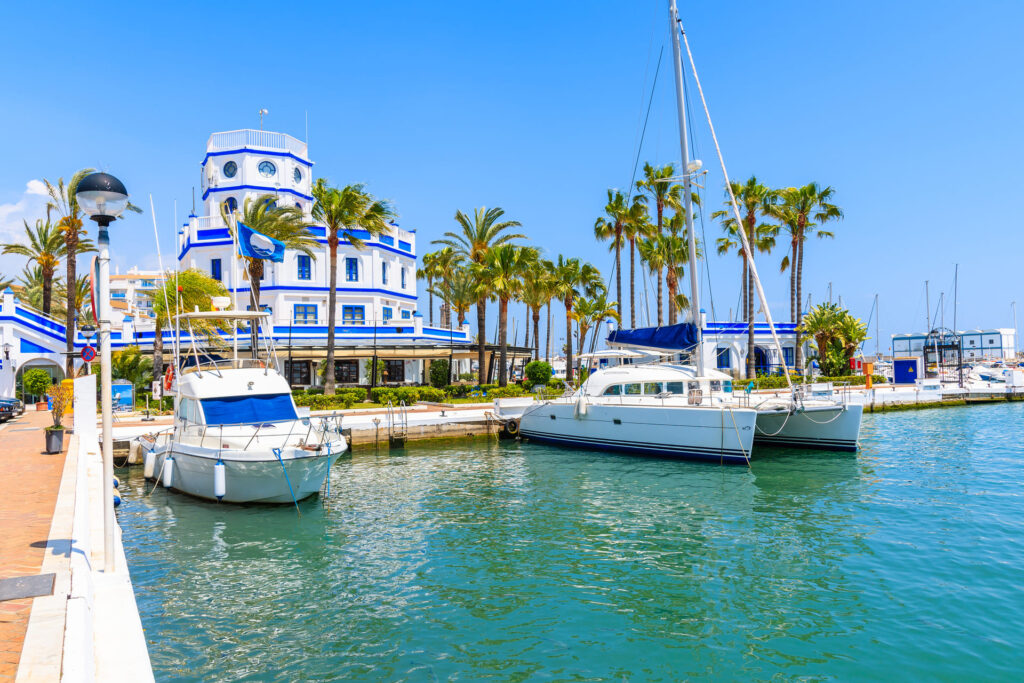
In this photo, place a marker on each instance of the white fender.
(148, 464)
(169, 472)
(219, 479)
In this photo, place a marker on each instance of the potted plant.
(60, 395)
(37, 382)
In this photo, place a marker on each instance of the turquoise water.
(471, 560)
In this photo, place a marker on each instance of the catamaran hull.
(832, 428)
(251, 477)
(721, 436)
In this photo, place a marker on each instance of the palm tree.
(186, 290)
(478, 235)
(535, 293)
(635, 226)
(437, 265)
(5, 282)
(83, 301)
(131, 364)
(501, 272)
(64, 202)
(282, 223)
(574, 279)
(755, 201)
(459, 290)
(801, 211)
(664, 193)
(341, 212)
(45, 246)
(31, 283)
(590, 311)
(550, 275)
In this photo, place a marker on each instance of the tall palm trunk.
(71, 240)
(332, 305)
(568, 340)
(632, 285)
(799, 303)
(503, 337)
(47, 289)
(481, 326)
(618, 269)
(255, 272)
(659, 297)
(536, 333)
(526, 337)
(158, 350)
(672, 282)
(751, 355)
(430, 298)
(792, 284)
(582, 340)
(547, 342)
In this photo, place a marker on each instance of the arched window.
(230, 205)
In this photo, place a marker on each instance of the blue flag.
(257, 245)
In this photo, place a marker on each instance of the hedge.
(432, 395)
(506, 392)
(779, 382)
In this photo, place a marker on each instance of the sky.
(909, 110)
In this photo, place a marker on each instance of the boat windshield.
(248, 409)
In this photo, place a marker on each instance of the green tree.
(130, 364)
(82, 298)
(611, 227)
(342, 212)
(501, 274)
(755, 201)
(477, 236)
(36, 382)
(186, 290)
(658, 188)
(437, 266)
(44, 246)
(590, 311)
(31, 283)
(537, 291)
(283, 223)
(573, 279)
(636, 226)
(802, 211)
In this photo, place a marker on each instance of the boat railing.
(320, 427)
(216, 364)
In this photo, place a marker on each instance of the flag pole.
(234, 281)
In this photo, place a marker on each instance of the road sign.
(88, 354)
(157, 389)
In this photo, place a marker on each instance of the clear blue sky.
(910, 110)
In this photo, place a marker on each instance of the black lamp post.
(103, 197)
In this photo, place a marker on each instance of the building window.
(305, 270)
(724, 358)
(267, 169)
(787, 356)
(215, 271)
(230, 169)
(297, 371)
(263, 307)
(297, 174)
(346, 371)
(406, 315)
(230, 205)
(352, 269)
(305, 314)
(403, 278)
(388, 313)
(353, 315)
(394, 370)
(384, 273)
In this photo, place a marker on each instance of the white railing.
(207, 222)
(256, 138)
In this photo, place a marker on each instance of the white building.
(130, 292)
(995, 344)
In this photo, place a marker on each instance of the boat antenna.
(677, 63)
(732, 197)
(160, 260)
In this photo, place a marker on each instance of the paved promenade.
(30, 483)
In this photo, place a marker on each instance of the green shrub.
(439, 374)
(383, 394)
(538, 372)
(556, 383)
(347, 400)
(506, 392)
(408, 394)
(488, 387)
(457, 390)
(37, 381)
(468, 377)
(432, 395)
(315, 391)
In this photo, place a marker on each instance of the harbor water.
(476, 559)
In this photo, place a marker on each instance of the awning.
(680, 337)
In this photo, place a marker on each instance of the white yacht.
(808, 417)
(655, 409)
(237, 436)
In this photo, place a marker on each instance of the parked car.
(7, 410)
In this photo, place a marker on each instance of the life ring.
(512, 427)
(168, 378)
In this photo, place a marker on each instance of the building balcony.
(256, 139)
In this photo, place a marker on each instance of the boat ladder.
(398, 424)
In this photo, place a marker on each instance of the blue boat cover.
(248, 409)
(680, 337)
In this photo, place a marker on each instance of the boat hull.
(827, 428)
(250, 476)
(691, 433)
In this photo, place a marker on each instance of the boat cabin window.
(258, 409)
(632, 389)
(716, 385)
(188, 410)
(652, 388)
(674, 387)
(613, 390)
(693, 385)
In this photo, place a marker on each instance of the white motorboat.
(655, 409)
(237, 436)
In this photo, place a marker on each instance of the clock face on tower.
(230, 169)
(267, 169)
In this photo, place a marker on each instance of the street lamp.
(102, 197)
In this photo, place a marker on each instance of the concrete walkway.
(31, 481)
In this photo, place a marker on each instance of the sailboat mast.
(687, 198)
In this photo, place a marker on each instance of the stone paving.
(29, 483)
